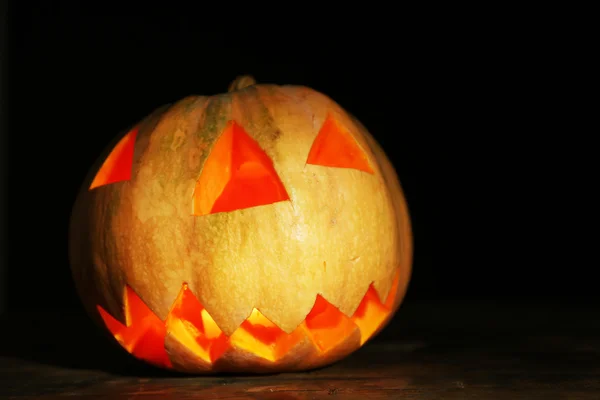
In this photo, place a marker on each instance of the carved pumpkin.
(257, 230)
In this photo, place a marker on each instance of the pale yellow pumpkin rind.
(141, 232)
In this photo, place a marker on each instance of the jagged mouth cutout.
(189, 323)
(238, 174)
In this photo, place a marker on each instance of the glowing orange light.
(144, 334)
(188, 322)
(237, 174)
(371, 313)
(335, 147)
(118, 164)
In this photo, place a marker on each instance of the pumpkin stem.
(241, 82)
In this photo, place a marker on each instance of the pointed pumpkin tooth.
(350, 307)
(382, 287)
(263, 338)
(240, 359)
(370, 314)
(193, 342)
(228, 326)
(318, 358)
(326, 325)
(190, 325)
(183, 358)
(144, 333)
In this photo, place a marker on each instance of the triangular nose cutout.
(334, 146)
(237, 174)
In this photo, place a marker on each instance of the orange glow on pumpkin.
(263, 338)
(371, 312)
(334, 146)
(237, 174)
(326, 325)
(118, 164)
(144, 333)
(188, 321)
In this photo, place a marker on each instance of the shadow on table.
(71, 340)
(67, 340)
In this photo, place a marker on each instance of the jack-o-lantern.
(257, 230)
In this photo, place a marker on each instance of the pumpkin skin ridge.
(81, 225)
(201, 119)
(255, 295)
(401, 212)
(357, 131)
(219, 102)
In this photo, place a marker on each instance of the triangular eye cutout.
(334, 146)
(118, 164)
(237, 174)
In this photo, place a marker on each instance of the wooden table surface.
(430, 351)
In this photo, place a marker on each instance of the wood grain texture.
(429, 351)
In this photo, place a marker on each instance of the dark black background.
(459, 110)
